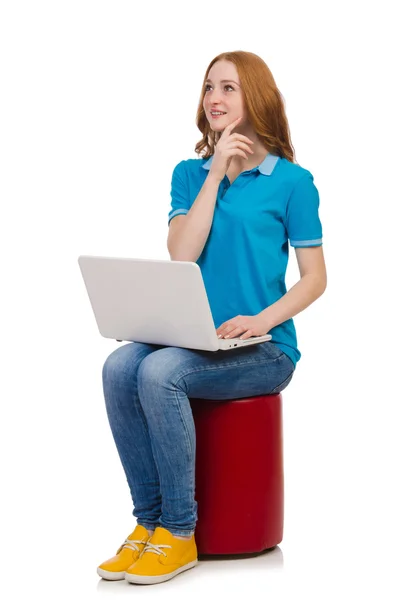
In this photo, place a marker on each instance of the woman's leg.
(130, 431)
(166, 379)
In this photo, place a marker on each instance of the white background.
(98, 103)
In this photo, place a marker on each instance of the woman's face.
(223, 93)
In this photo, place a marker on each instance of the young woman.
(233, 211)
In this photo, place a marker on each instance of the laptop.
(153, 301)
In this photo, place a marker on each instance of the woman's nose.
(215, 96)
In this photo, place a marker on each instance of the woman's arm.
(311, 286)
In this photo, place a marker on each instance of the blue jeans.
(147, 389)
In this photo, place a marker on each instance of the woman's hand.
(229, 145)
(244, 327)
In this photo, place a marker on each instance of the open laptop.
(153, 301)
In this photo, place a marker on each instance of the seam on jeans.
(282, 383)
(185, 427)
(223, 366)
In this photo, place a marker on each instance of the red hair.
(264, 102)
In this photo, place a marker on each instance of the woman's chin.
(218, 126)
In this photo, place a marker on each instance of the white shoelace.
(132, 544)
(155, 548)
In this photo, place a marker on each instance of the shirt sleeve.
(180, 204)
(302, 215)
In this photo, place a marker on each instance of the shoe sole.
(111, 575)
(132, 578)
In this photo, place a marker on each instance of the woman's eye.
(226, 86)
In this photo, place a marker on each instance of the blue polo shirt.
(244, 260)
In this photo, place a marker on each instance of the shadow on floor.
(208, 557)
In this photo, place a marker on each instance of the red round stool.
(239, 474)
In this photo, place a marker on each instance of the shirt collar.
(266, 167)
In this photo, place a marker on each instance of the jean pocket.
(282, 385)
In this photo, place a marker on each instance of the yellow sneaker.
(128, 553)
(163, 557)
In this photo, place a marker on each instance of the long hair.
(264, 102)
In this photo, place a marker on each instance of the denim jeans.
(147, 389)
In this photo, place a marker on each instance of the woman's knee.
(162, 367)
(123, 360)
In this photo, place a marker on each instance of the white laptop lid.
(153, 301)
